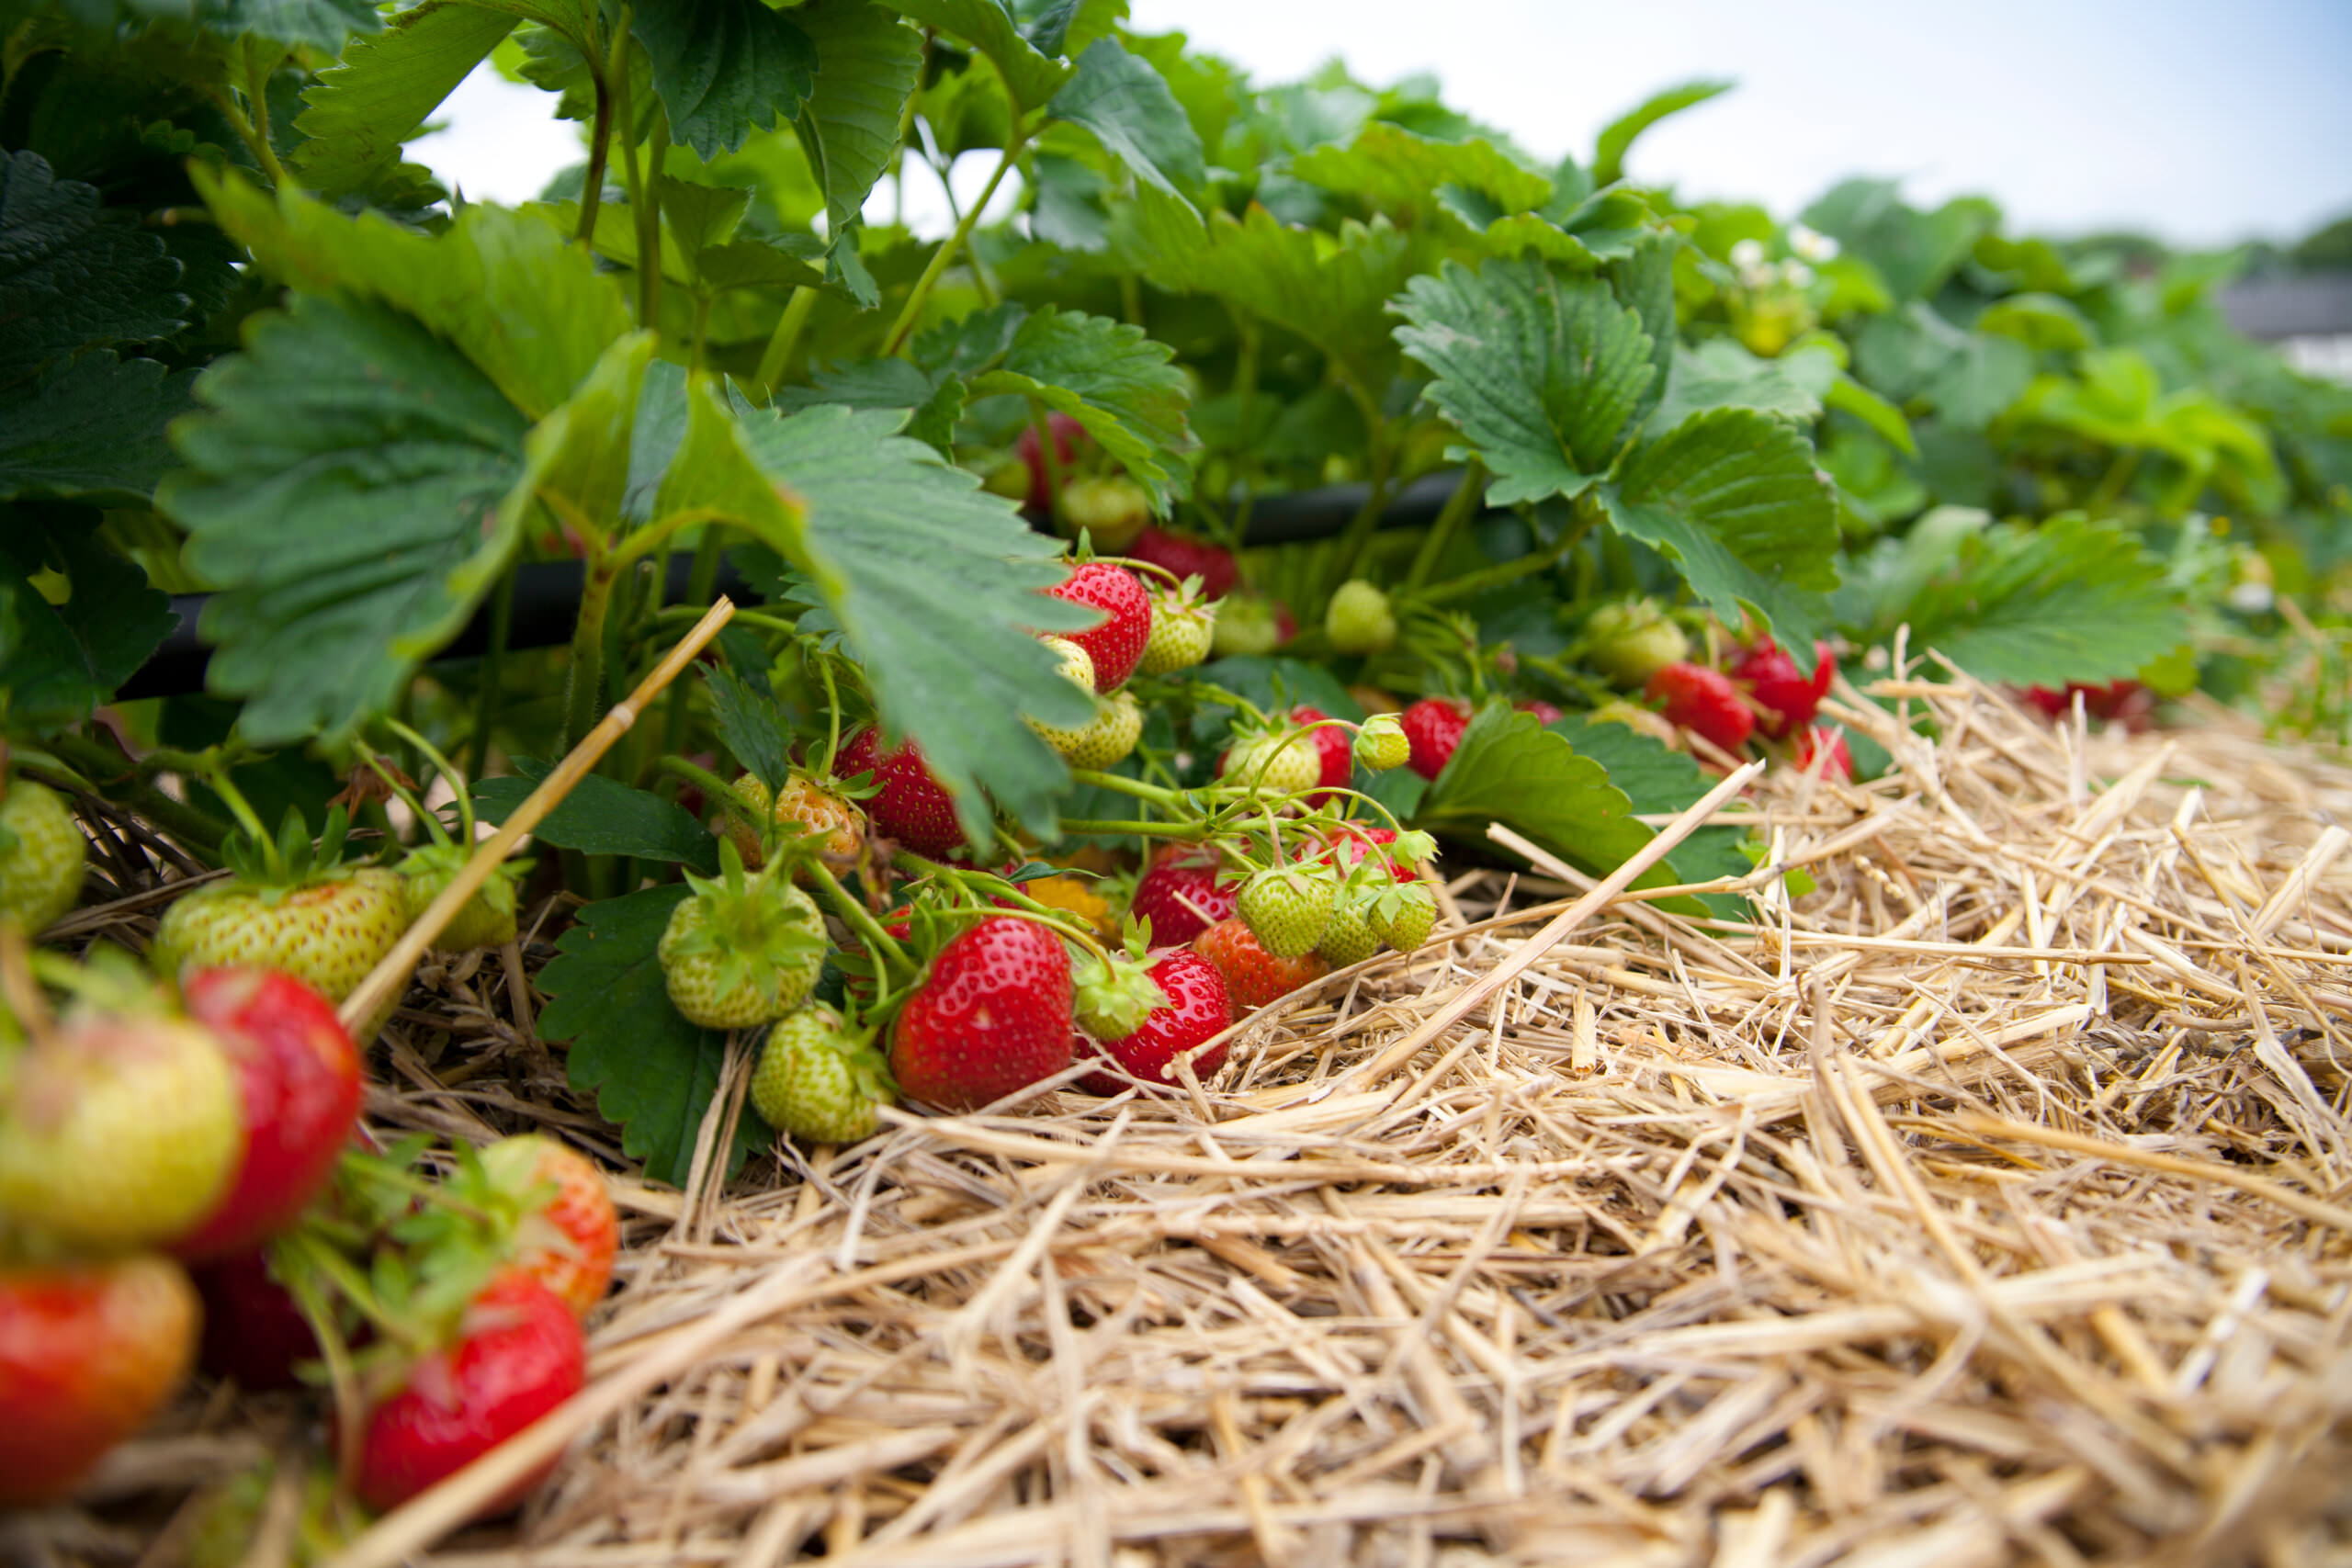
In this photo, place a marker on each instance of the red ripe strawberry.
(1215, 567)
(1069, 437)
(253, 1332)
(2125, 701)
(1183, 895)
(89, 1352)
(912, 807)
(517, 1355)
(1813, 741)
(299, 1082)
(1433, 727)
(1545, 713)
(570, 1231)
(1334, 751)
(1118, 642)
(1704, 702)
(1789, 697)
(1253, 977)
(994, 1017)
(2051, 704)
(1197, 1008)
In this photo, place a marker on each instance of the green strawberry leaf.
(1656, 778)
(1331, 289)
(1719, 373)
(1643, 279)
(508, 289)
(604, 816)
(77, 273)
(1912, 251)
(988, 25)
(1128, 105)
(1731, 496)
(321, 24)
(361, 110)
(725, 69)
(2071, 600)
(58, 661)
(867, 63)
(1541, 372)
(346, 409)
(92, 429)
(1510, 768)
(752, 727)
(1393, 171)
(649, 1070)
(2044, 323)
(1968, 378)
(934, 585)
(1112, 379)
(1618, 136)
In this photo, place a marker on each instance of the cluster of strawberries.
(184, 1181)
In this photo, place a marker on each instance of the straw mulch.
(1986, 1204)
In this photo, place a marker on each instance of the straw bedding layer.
(1988, 1203)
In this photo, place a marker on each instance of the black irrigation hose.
(546, 593)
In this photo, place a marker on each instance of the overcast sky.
(2204, 123)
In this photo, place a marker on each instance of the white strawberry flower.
(1812, 244)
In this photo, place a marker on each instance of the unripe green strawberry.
(122, 1131)
(1117, 726)
(1381, 745)
(1008, 477)
(1348, 938)
(818, 1080)
(488, 918)
(1252, 624)
(742, 949)
(1358, 619)
(1182, 627)
(1077, 666)
(805, 806)
(1630, 642)
(1279, 760)
(328, 934)
(1287, 909)
(1112, 510)
(42, 855)
(1403, 918)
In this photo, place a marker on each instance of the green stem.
(501, 627)
(1361, 527)
(649, 227)
(1495, 577)
(702, 778)
(833, 717)
(257, 94)
(700, 581)
(600, 141)
(786, 334)
(1458, 506)
(1134, 829)
(2111, 484)
(264, 153)
(886, 953)
(908, 312)
(196, 828)
(584, 678)
(1119, 784)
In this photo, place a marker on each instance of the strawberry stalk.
(886, 950)
(1049, 452)
(905, 325)
(1458, 506)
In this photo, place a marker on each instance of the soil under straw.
(1987, 1204)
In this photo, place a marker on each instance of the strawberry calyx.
(1115, 995)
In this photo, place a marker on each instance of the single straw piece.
(395, 967)
(1574, 915)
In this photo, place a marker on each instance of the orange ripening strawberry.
(299, 1082)
(569, 1230)
(88, 1353)
(991, 1018)
(516, 1354)
(1253, 977)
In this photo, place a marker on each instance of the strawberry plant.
(1296, 472)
